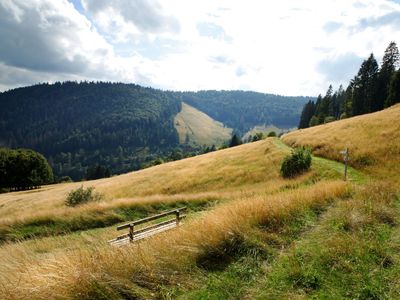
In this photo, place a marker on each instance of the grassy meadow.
(372, 139)
(196, 181)
(250, 234)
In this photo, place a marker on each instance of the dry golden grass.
(225, 174)
(373, 141)
(165, 258)
(199, 128)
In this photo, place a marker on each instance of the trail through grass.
(329, 168)
(351, 254)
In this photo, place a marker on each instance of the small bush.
(296, 163)
(82, 195)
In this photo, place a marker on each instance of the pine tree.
(235, 141)
(306, 114)
(348, 102)
(339, 105)
(318, 110)
(388, 68)
(327, 102)
(323, 105)
(365, 85)
(394, 89)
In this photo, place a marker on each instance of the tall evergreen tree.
(394, 90)
(365, 84)
(322, 110)
(348, 102)
(389, 62)
(306, 114)
(339, 104)
(235, 141)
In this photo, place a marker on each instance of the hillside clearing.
(195, 128)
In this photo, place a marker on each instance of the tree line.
(372, 89)
(23, 169)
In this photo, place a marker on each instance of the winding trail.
(327, 165)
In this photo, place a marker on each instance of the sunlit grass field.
(223, 175)
(250, 234)
(373, 141)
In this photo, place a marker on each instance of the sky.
(285, 47)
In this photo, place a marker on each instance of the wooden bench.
(141, 233)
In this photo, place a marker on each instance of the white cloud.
(288, 47)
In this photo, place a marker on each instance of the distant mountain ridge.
(121, 126)
(243, 110)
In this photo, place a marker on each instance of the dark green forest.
(242, 110)
(373, 88)
(78, 125)
(97, 129)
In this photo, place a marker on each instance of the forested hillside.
(77, 125)
(243, 110)
(116, 128)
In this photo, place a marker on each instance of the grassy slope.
(372, 139)
(221, 175)
(313, 236)
(353, 250)
(243, 175)
(196, 128)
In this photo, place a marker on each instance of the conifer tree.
(322, 110)
(235, 141)
(306, 114)
(365, 84)
(389, 62)
(339, 105)
(348, 102)
(318, 110)
(394, 90)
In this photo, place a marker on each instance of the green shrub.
(82, 195)
(329, 119)
(314, 121)
(296, 163)
(258, 137)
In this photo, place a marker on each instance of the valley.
(248, 228)
(120, 127)
(199, 150)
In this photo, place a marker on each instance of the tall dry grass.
(222, 175)
(373, 141)
(351, 254)
(139, 269)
